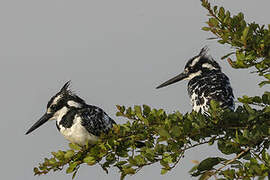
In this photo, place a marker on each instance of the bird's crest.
(66, 86)
(204, 51)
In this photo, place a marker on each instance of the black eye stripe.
(51, 100)
(53, 107)
(56, 107)
(62, 99)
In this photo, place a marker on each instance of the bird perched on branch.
(206, 82)
(78, 122)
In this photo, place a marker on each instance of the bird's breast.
(77, 133)
(215, 86)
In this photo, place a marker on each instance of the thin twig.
(178, 159)
(232, 160)
(201, 143)
(264, 162)
(258, 157)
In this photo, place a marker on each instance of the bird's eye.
(53, 107)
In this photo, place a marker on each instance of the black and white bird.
(206, 82)
(78, 122)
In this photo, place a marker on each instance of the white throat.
(60, 113)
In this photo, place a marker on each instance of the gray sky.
(115, 52)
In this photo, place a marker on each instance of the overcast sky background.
(114, 52)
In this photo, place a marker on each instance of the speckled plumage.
(213, 86)
(206, 82)
(95, 120)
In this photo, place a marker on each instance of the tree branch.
(232, 160)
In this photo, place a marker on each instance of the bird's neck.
(61, 113)
(203, 76)
(210, 72)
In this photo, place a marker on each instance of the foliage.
(242, 134)
(168, 136)
(250, 40)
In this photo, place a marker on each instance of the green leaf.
(138, 109)
(160, 112)
(119, 114)
(245, 33)
(74, 146)
(132, 161)
(176, 131)
(129, 170)
(221, 13)
(110, 157)
(206, 28)
(267, 76)
(146, 110)
(212, 38)
(121, 108)
(139, 160)
(261, 84)
(227, 147)
(164, 164)
(206, 175)
(193, 169)
(209, 163)
(249, 109)
(215, 9)
(36, 171)
(89, 160)
(60, 155)
(52, 161)
(266, 98)
(163, 132)
(69, 154)
(163, 171)
(214, 105)
(71, 167)
(257, 99)
(213, 21)
(120, 163)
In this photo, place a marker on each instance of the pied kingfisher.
(206, 82)
(79, 122)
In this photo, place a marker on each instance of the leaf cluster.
(250, 40)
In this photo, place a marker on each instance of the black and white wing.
(226, 95)
(214, 86)
(95, 120)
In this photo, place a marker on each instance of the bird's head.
(59, 105)
(199, 65)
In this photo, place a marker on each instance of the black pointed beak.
(41, 121)
(175, 79)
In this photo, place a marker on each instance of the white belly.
(78, 134)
